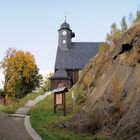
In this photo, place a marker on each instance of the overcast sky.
(33, 24)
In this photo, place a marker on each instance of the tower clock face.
(64, 33)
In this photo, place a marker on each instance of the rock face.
(112, 83)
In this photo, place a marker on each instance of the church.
(71, 57)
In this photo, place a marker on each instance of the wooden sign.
(59, 99)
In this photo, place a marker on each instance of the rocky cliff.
(112, 84)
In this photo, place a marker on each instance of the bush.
(80, 95)
(103, 47)
(46, 85)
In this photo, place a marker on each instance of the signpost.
(60, 98)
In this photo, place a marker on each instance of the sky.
(32, 25)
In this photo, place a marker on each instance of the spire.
(65, 25)
(65, 19)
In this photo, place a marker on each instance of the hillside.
(111, 82)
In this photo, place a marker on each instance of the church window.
(64, 41)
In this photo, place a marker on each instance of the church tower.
(71, 57)
(65, 36)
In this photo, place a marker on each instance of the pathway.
(24, 110)
(17, 126)
(11, 129)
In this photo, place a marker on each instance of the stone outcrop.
(112, 84)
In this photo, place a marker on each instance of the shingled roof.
(60, 73)
(77, 56)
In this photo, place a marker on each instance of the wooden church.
(71, 57)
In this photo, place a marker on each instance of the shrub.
(80, 94)
(103, 47)
(46, 86)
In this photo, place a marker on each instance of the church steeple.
(65, 36)
(65, 18)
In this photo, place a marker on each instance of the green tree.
(21, 73)
(46, 85)
(131, 19)
(114, 34)
(138, 15)
(124, 25)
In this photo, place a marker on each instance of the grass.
(46, 123)
(13, 107)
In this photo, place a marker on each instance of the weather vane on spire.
(65, 18)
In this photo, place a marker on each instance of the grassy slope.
(13, 107)
(46, 123)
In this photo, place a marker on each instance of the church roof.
(60, 73)
(77, 56)
(65, 25)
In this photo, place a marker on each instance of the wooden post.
(54, 103)
(64, 103)
(60, 99)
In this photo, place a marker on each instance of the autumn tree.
(21, 73)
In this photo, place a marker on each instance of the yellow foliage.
(15, 64)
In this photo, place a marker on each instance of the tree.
(113, 28)
(114, 34)
(124, 25)
(137, 15)
(21, 73)
(46, 85)
(131, 19)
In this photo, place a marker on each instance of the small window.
(64, 41)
